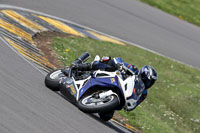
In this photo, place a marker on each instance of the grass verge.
(173, 103)
(188, 10)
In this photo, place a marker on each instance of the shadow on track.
(94, 116)
(108, 124)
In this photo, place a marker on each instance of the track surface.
(28, 106)
(129, 20)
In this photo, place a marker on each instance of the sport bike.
(96, 91)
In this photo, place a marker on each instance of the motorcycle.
(96, 91)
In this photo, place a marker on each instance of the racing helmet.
(148, 75)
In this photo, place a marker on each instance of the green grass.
(188, 10)
(173, 103)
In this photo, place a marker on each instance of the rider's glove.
(120, 66)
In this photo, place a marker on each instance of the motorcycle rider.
(145, 77)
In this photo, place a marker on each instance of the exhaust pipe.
(82, 59)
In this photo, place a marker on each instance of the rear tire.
(104, 107)
(52, 79)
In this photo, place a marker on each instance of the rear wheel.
(52, 79)
(94, 104)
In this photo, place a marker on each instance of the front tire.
(52, 79)
(87, 106)
(106, 116)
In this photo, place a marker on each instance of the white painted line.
(4, 6)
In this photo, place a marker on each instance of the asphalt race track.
(28, 106)
(129, 20)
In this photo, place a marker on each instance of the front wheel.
(52, 79)
(94, 104)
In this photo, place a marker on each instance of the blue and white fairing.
(103, 79)
(100, 82)
(112, 79)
